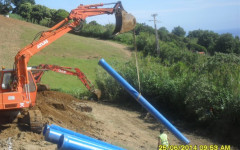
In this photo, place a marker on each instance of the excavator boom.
(125, 22)
(39, 71)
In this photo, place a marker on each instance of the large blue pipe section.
(67, 139)
(67, 142)
(143, 101)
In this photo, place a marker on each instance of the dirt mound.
(63, 109)
(57, 108)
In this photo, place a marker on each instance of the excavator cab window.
(6, 80)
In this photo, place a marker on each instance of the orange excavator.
(40, 70)
(18, 87)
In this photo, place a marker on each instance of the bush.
(159, 84)
(196, 47)
(126, 38)
(206, 90)
(16, 16)
(214, 94)
(45, 22)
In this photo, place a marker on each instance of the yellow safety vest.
(164, 140)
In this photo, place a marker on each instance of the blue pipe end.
(46, 127)
(60, 142)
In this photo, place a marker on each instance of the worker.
(162, 139)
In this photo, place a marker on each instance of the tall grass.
(16, 16)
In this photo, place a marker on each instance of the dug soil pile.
(57, 108)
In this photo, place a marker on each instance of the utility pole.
(156, 33)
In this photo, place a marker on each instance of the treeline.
(205, 41)
(31, 12)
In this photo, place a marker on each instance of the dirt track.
(109, 123)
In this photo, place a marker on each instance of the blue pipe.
(46, 127)
(71, 141)
(140, 99)
(67, 142)
(53, 133)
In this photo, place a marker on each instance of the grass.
(70, 51)
(16, 16)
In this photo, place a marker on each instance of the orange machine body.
(10, 99)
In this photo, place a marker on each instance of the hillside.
(70, 51)
(114, 124)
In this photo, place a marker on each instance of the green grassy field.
(70, 51)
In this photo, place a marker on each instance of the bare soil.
(118, 126)
(57, 108)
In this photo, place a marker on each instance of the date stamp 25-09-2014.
(195, 147)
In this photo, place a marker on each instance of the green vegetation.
(16, 16)
(5, 7)
(204, 91)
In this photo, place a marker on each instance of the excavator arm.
(72, 21)
(39, 71)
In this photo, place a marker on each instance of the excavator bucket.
(124, 21)
(98, 93)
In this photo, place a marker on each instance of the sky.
(221, 16)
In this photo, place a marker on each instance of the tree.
(25, 10)
(225, 43)
(108, 32)
(50, 22)
(195, 34)
(196, 47)
(143, 28)
(163, 34)
(208, 40)
(93, 23)
(237, 45)
(46, 12)
(37, 13)
(5, 6)
(59, 15)
(17, 4)
(179, 31)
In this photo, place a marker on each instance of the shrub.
(16, 16)
(126, 38)
(214, 94)
(206, 90)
